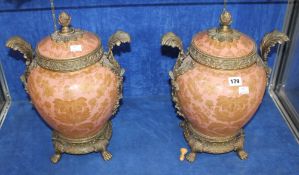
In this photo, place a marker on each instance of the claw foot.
(191, 156)
(55, 158)
(242, 154)
(106, 155)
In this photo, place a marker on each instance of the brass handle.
(270, 40)
(19, 44)
(117, 39)
(172, 40)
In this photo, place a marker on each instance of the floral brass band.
(222, 63)
(70, 65)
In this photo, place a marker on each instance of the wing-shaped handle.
(19, 44)
(117, 39)
(270, 40)
(172, 40)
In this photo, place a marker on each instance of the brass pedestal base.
(200, 143)
(97, 143)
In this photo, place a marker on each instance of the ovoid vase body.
(212, 106)
(75, 104)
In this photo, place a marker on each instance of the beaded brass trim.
(70, 65)
(109, 61)
(113, 65)
(222, 63)
(183, 64)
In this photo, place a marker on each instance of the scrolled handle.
(19, 44)
(117, 39)
(172, 40)
(109, 61)
(270, 40)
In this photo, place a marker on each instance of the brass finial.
(65, 20)
(225, 18)
(225, 21)
(67, 33)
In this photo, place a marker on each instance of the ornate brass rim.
(210, 138)
(222, 63)
(70, 65)
(84, 140)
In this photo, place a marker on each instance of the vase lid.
(68, 44)
(224, 42)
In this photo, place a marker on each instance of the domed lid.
(68, 49)
(223, 47)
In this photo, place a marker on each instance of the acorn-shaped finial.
(225, 21)
(225, 18)
(65, 20)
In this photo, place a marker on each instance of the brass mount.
(200, 143)
(96, 143)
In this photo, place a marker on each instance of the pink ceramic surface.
(62, 50)
(215, 108)
(226, 49)
(76, 104)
